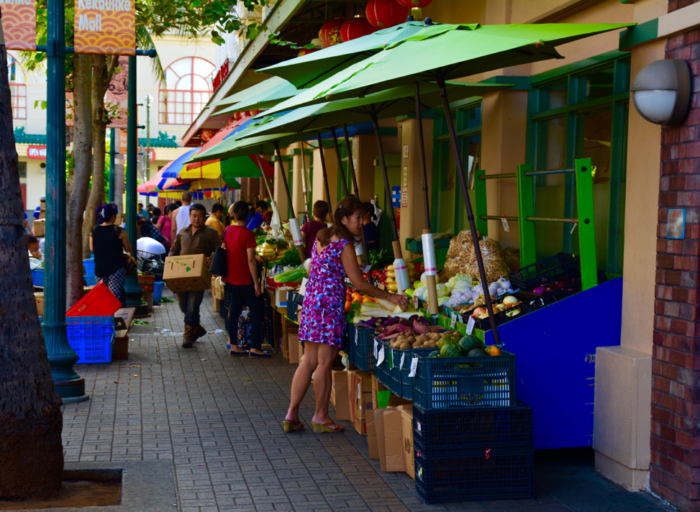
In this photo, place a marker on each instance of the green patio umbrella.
(269, 97)
(313, 68)
(253, 90)
(441, 52)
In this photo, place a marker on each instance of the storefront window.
(581, 113)
(449, 212)
(186, 90)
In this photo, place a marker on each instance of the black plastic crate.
(493, 475)
(470, 432)
(505, 316)
(361, 348)
(388, 372)
(453, 382)
(548, 270)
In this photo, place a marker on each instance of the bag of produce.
(461, 258)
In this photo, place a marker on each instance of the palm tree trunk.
(31, 454)
(100, 81)
(78, 191)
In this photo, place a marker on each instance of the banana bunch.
(267, 251)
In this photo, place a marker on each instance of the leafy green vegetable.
(138, 322)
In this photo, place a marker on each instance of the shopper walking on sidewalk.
(197, 238)
(322, 321)
(181, 216)
(108, 243)
(242, 283)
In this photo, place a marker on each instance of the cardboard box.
(39, 227)
(120, 348)
(389, 424)
(147, 282)
(372, 442)
(340, 395)
(360, 399)
(296, 351)
(281, 296)
(216, 305)
(187, 273)
(377, 388)
(409, 460)
(39, 298)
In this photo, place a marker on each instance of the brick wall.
(675, 410)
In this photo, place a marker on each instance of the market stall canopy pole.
(325, 172)
(293, 222)
(305, 184)
(470, 212)
(351, 166)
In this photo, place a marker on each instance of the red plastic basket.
(99, 301)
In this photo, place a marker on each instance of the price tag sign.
(414, 366)
(454, 320)
(391, 359)
(470, 325)
(376, 348)
(357, 335)
(506, 227)
(573, 228)
(403, 356)
(416, 302)
(380, 358)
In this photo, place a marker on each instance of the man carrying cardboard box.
(197, 238)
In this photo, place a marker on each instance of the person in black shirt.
(108, 243)
(369, 228)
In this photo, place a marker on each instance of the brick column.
(675, 410)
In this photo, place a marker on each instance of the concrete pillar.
(319, 192)
(623, 389)
(412, 198)
(503, 142)
(298, 198)
(364, 151)
(279, 190)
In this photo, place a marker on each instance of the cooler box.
(147, 282)
(99, 301)
(158, 291)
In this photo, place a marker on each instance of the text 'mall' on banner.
(19, 24)
(105, 27)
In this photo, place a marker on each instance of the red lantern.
(356, 27)
(385, 13)
(330, 32)
(416, 6)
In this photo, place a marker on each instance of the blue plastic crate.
(447, 382)
(90, 280)
(89, 266)
(91, 337)
(386, 372)
(361, 348)
(38, 277)
(408, 383)
(158, 291)
(473, 431)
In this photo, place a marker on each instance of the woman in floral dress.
(322, 321)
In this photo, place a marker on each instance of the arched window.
(186, 90)
(18, 88)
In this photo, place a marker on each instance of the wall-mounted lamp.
(661, 91)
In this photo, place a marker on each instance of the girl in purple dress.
(322, 321)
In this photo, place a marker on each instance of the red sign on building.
(36, 152)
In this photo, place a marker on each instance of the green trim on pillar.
(642, 33)
(482, 225)
(526, 208)
(520, 83)
(131, 287)
(586, 223)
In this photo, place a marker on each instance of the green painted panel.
(642, 33)
(482, 225)
(586, 224)
(526, 208)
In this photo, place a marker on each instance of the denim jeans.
(240, 296)
(189, 305)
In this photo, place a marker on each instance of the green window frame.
(560, 100)
(448, 210)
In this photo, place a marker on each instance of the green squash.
(434, 353)
(477, 352)
(470, 342)
(448, 350)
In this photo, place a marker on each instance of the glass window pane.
(171, 79)
(185, 83)
(182, 67)
(202, 67)
(178, 119)
(556, 96)
(197, 97)
(199, 84)
(600, 84)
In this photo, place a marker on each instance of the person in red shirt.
(242, 283)
(311, 229)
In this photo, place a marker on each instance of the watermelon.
(448, 350)
(477, 352)
(434, 353)
(470, 342)
(448, 339)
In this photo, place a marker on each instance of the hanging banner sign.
(19, 24)
(106, 27)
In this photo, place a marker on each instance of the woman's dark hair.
(320, 210)
(369, 208)
(261, 204)
(345, 208)
(157, 212)
(170, 207)
(240, 210)
(178, 203)
(106, 212)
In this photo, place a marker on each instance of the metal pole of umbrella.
(305, 184)
(470, 213)
(325, 173)
(293, 222)
(347, 191)
(431, 280)
(401, 272)
(351, 166)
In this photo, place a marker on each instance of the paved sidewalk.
(219, 420)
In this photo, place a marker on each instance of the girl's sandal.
(292, 426)
(329, 427)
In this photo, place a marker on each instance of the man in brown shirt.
(197, 238)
